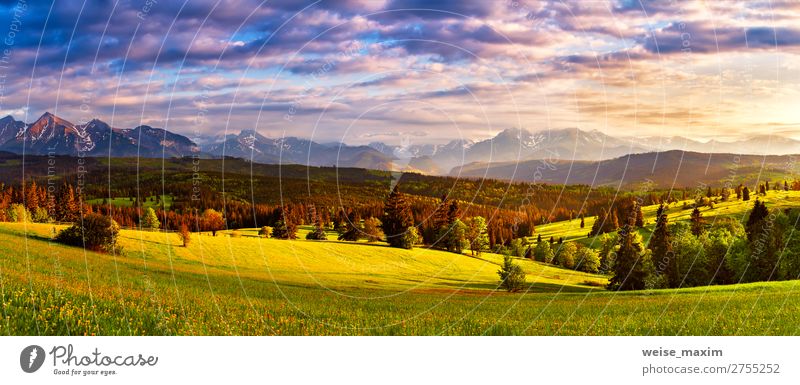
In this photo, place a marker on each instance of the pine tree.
(745, 194)
(67, 209)
(639, 215)
(661, 247)
(352, 228)
(785, 186)
(150, 220)
(32, 197)
(709, 193)
(754, 226)
(630, 263)
(397, 220)
(582, 223)
(697, 222)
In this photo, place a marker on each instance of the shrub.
(265, 231)
(512, 277)
(95, 232)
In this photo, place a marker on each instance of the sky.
(407, 71)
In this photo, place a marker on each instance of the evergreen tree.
(661, 247)
(32, 196)
(352, 228)
(512, 277)
(709, 193)
(754, 226)
(582, 224)
(150, 219)
(397, 220)
(639, 215)
(785, 186)
(697, 222)
(318, 233)
(67, 209)
(745, 194)
(630, 264)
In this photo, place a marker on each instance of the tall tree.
(476, 235)
(697, 222)
(397, 219)
(150, 219)
(754, 226)
(661, 247)
(630, 270)
(352, 228)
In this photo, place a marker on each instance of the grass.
(571, 230)
(251, 286)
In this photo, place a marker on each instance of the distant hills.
(674, 168)
(494, 157)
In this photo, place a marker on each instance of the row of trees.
(696, 254)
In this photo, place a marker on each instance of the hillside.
(665, 169)
(246, 285)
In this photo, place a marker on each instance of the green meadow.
(239, 284)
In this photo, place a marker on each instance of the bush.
(512, 277)
(265, 231)
(95, 232)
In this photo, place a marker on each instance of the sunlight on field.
(738, 209)
(241, 284)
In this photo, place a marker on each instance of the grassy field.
(734, 208)
(245, 285)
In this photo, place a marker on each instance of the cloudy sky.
(407, 70)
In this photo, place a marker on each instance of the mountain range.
(493, 157)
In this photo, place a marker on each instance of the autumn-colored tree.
(213, 221)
